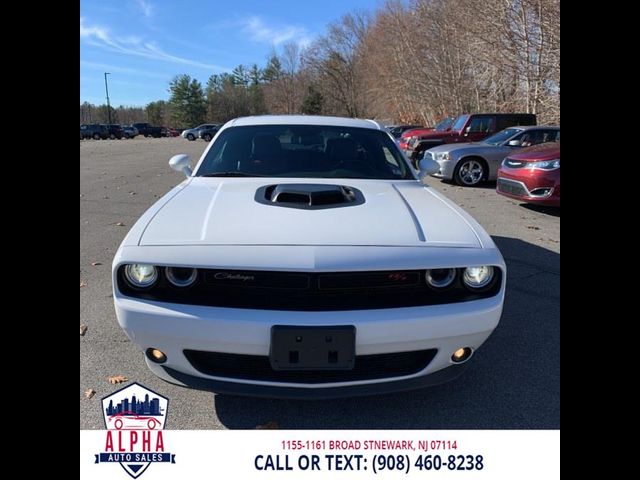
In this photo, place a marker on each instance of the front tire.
(96, 136)
(191, 137)
(470, 172)
(207, 137)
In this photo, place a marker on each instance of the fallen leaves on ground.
(272, 425)
(117, 379)
(119, 224)
(83, 329)
(82, 284)
(95, 264)
(533, 227)
(90, 392)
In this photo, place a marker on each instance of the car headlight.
(477, 277)
(441, 156)
(141, 275)
(546, 165)
(440, 277)
(181, 276)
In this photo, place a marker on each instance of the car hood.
(215, 211)
(436, 135)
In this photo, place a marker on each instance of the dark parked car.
(115, 131)
(468, 128)
(94, 130)
(532, 175)
(148, 130)
(208, 133)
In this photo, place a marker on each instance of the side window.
(83, 127)
(525, 120)
(550, 136)
(534, 137)
(529, 138)
(481, 125)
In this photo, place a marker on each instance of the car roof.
(304, 120)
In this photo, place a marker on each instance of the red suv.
(533, 175)
(468, 128)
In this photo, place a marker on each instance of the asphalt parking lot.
(513, 382)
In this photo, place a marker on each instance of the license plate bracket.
(312, 348)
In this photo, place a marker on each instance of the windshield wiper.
(230, 174)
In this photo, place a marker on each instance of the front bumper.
(446, 168)
(249, 390)
(542, 188)
(174, 328)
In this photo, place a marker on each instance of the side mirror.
(180, 163)
(514, 143)
(427, 167)
(467, 130)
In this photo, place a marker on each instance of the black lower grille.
(258, 367)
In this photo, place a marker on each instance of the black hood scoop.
(309, 196)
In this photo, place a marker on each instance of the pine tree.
(313, 102)
(187, 102)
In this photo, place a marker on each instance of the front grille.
(511, 187)
(304, 291)
(258, 367)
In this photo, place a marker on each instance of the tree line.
(416, 61)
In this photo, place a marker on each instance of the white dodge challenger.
(303, 257)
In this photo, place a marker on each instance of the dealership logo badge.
(135, 418)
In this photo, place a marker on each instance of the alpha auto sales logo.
(135, 417)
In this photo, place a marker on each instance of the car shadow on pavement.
(552, 211)
(513, 381)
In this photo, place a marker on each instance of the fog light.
(156, 355)
(461, 355)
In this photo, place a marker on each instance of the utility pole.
(107, 90)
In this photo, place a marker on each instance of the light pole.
(107, 89)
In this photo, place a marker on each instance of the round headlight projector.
(477, 277)
(440, 277)
(141, 275)
(180, 276)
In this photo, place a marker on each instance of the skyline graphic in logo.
(135, 418)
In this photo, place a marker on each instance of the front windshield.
(444, 124)
(459, 123)
(305, 151)
(502, 136)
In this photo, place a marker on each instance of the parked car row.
(471, 152)
(98, 131)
